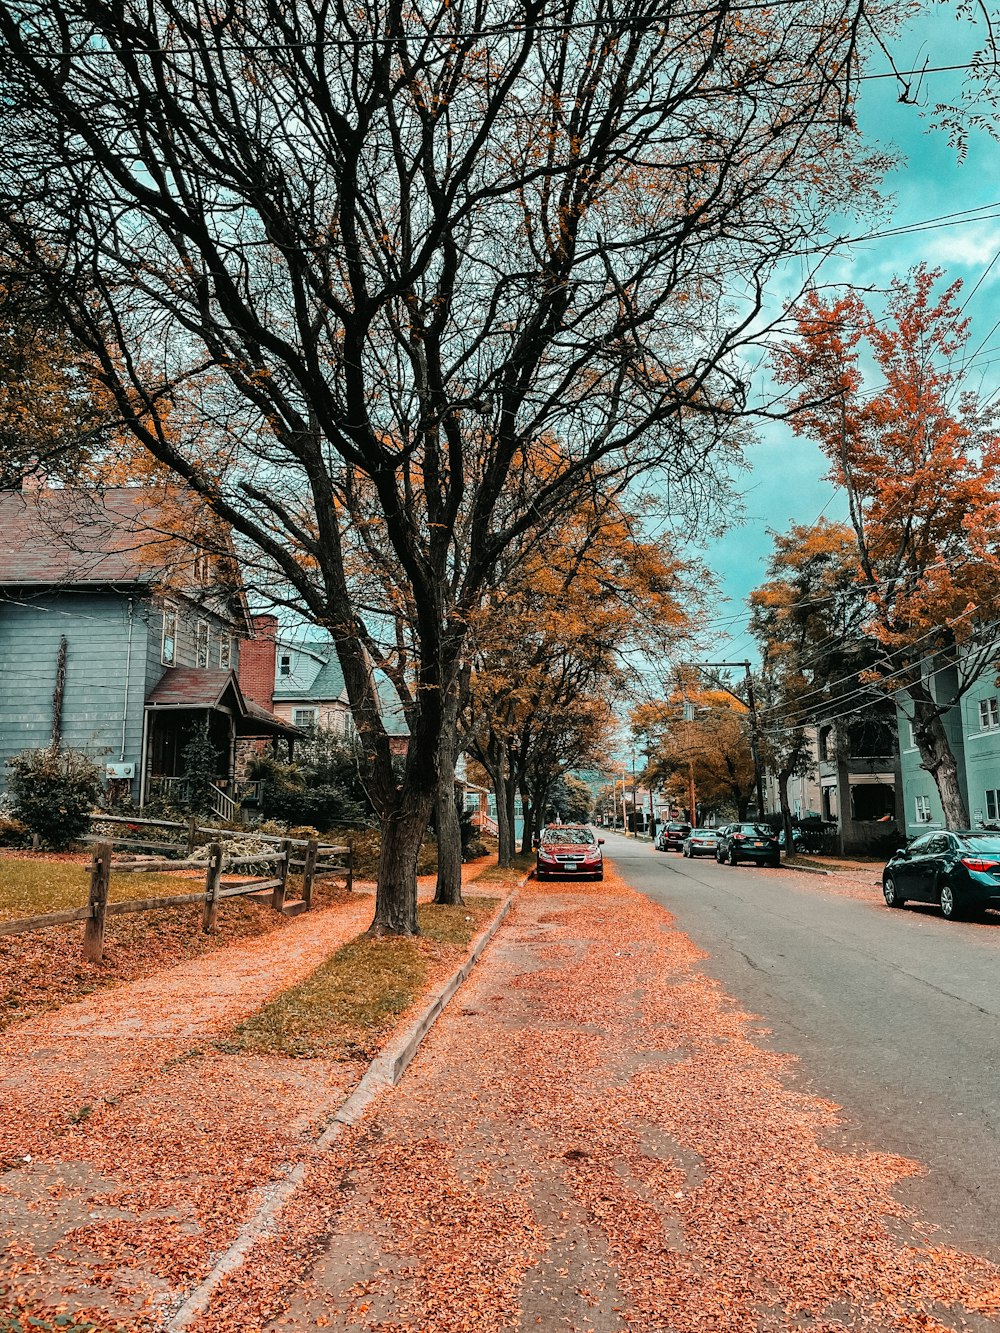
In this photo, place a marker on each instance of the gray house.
(140, 624)
(973, 727)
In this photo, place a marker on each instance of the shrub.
(54, 792)
(13, 833)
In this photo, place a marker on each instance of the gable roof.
(69, 535)
(200, 687)
(123, 536)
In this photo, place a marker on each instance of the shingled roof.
(198, 688)
(70, 535)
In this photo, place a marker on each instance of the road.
(894, 1015)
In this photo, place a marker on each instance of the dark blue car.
(958, 870)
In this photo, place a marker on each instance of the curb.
(383, 1073)
(807, 870)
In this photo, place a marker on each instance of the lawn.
(31, 885)
(344, 1010)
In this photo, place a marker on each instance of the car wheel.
(949, 903)
(893, 897)
(718, 856)
(775, 863)
(732, 856)
(539, 874)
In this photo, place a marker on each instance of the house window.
(989, 714)
(993, 804)
(825, 742)
(304, 717)
(201, 644)
(168, 644)
(912, 740)
(923, 809)
(285, 664)
(225, 651)
(202, 567)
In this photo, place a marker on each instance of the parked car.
(748, 842)
(671, 836)
(568, 850)
(958, 870)
(701, 842)
(798, 841)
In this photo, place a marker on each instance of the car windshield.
(760, 830)
(583, 836)
(703, 833)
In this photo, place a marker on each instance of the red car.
(566, 851)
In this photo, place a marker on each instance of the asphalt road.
(895, 1015)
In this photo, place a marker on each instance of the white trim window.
(202, 643)
(202, 567)
(285, 664)
(993, 805)
(168, 642)
(989, 714)
(304, 717)
(225, 651)
(923, 808)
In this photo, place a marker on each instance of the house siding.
(98, 701)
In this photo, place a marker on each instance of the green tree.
(54, 792)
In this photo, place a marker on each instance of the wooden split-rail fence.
(309, 856)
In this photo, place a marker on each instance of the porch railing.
(221, 804)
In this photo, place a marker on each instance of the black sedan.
(958, 870)
(748, 842)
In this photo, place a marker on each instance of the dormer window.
(225, 651)
(285, 664)
(202, 567)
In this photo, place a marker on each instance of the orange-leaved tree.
(702, 735)
(918, 455)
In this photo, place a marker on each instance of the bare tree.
(349, 265)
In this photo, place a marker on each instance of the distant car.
(671, 836)
(566, 851)
(958, 870)
(797, 840)
(701, 842)
(748, 842)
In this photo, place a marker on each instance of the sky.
(786, 482)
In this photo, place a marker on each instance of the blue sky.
(786, 483)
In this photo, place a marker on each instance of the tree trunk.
(528, 832)
(505, 830)
(396, 887)
(936, 756)
(786, 813)
(449, 835)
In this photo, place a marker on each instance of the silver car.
(701, 842)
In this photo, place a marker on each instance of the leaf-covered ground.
(134, 1143)
(594, 1139)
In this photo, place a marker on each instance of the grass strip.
(344, 1009)
(30, 886)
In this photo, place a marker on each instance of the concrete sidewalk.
(593, 1139)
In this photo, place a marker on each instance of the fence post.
(350, 865)
(100, 874)
(278, 896)
(192, 834)
(213, 877)
(309, 872)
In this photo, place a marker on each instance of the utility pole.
(635, 805)
(752, 712)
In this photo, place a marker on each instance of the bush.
(54, 792)
(13, 833)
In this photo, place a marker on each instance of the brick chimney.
(257, 661)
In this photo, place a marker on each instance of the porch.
(188, 703)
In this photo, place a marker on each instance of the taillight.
(739, 837)
(976, 863)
